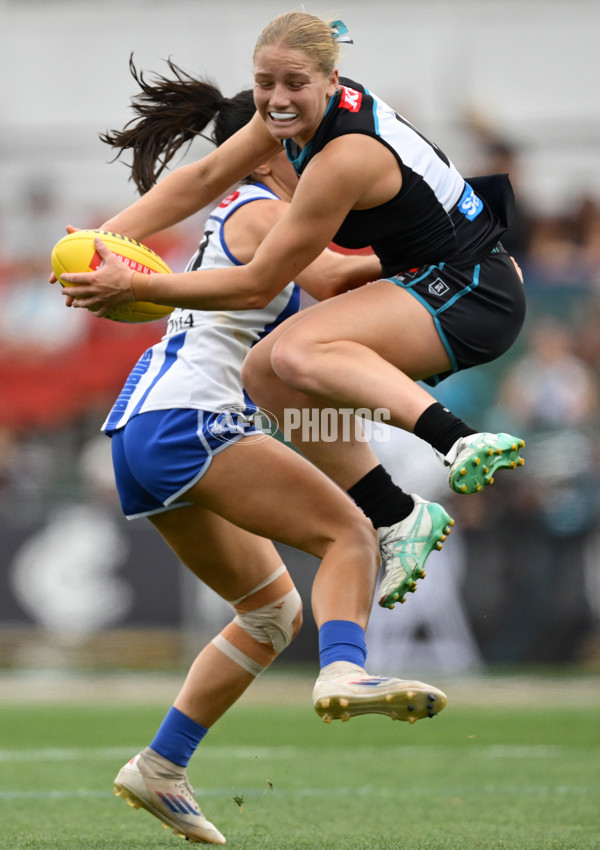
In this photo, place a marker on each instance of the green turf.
(471, 779)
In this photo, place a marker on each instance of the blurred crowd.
(530, 569)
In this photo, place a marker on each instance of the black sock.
(380, 499)
(441, 428)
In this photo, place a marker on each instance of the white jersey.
(198, 361)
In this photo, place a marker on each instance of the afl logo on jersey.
(351, 99)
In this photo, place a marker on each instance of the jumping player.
(450, 296)
(189, 457)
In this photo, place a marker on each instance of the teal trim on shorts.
(433, 313)
(464, 291)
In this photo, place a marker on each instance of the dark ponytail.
(170, 113)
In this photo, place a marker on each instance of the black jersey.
(437, 216)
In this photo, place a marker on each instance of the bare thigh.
(228, 559)
(270, 491)
(267, 489)
(379, 316)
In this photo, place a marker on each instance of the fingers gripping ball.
(76, 252)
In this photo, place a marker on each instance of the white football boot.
(406, 545)
(154, 783)
(344, 690)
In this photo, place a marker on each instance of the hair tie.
(339, 31)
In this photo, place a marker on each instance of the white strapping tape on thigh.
(278, 572)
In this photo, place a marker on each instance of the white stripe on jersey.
(415, 153)
(197, 363)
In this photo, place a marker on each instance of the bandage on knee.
(267, 620)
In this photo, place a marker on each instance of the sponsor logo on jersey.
(351, 99)
(230, 199)
(438, 287)
(470, 205)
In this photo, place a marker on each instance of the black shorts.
(478, 311)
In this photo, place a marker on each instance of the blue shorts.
(160, 454)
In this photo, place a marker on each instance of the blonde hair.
(301, 31)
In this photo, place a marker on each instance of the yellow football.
(76, 252)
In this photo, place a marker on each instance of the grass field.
(496, 770)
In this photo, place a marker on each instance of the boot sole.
(410, 705)
(478, 471)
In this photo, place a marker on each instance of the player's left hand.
(108, 286)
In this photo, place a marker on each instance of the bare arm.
(333, 273)
(192, 187)
(330, 274)
(334, 182)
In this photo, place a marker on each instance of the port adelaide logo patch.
(438, 287)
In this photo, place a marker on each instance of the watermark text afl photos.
(309, 424)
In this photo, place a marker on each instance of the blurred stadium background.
(501, 85)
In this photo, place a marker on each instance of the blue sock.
(177, 737)
(342, 640)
